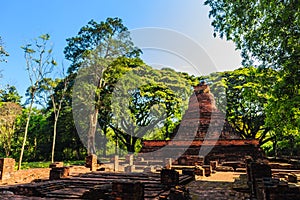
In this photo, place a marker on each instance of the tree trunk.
(54, 137)
(130, 143)
(25, 134)
(104, 141)
(275, 148)
(92, 131)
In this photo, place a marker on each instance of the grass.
(45, 164)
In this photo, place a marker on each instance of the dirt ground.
(218, 186)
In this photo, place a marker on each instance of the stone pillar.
(213, 164)
(91, 162)
(248, 160)
(116, 163)
(128, 190)
(130, 159)
(129, 168)
(207, 170)
(169, 177)
(7, 168)
(57, 173)
(199, 171)
(168, 163)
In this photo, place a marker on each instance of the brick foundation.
(128, 190)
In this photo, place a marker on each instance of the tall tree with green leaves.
(247, 93)
(55, 92)
(147, 99)
(245, 99)
(39, 63)
(94, 49)
(267, 33)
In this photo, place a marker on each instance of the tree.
(247, 92)
(10, 94)
(267, 32)
(118, 69)
(39, 63)
(245, 99)
(146, 99)
(3, 53)
(56, 91)
(94, 49)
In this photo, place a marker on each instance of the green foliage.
(267, 33)
(10, 94)
(3, 53)
(245, 99)
(39, 63)
(9, 112)
(68, 144)
(37, 145)
(146, 100)
(45, 164)
(94, 50)
(110, 39)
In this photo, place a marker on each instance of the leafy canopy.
(268, 34)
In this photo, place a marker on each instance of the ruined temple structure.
(203, 135)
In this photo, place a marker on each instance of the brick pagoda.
(203, 135)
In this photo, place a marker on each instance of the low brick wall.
(26, 176)
(9, 176)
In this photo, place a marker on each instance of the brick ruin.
(8, 174)
(260, 180)
(153, 176)
(203, 136)
(63, 183)
(266, 183)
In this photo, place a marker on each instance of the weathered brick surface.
(98, 192)
(7, 166)
(94, 185)
(26, 176)
(59, 173)
(123, 190)
(272, 189)
(221, 150)
(206, 190)
(169, 177)
(9, 176)
(91, 162)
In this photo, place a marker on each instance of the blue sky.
(21, 21)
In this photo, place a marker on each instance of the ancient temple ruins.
(203, 135)
(205, 145)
